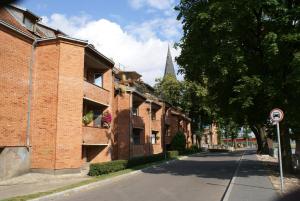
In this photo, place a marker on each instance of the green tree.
(247, 55)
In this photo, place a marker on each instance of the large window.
(136, 135)
(98, 79)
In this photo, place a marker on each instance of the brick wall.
(69, 108)
(14, 66)
(44, 106)
(122, 128)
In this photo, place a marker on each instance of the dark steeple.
(169, 68)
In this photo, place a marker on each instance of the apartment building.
(64, 104)
(49, 81)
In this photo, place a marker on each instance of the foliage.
(107, 167)
(172, 154)
(169, 89)
(144, 159)
(246, 54)
(178, 142)
(191, 150)
(117, 165)
(88, 118)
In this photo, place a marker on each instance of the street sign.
(276, 115)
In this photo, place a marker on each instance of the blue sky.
(134, 33)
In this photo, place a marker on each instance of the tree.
(190, 97)
(247, 55)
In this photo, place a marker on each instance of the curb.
(55, 196)
(228, 190)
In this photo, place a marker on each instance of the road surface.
(201, 177)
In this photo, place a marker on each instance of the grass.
(85, 182)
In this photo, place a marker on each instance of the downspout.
(150, 127)
(32, 58)
(130, 123)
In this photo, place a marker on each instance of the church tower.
(169, 68)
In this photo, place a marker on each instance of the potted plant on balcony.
(88, 118)
(106, 119)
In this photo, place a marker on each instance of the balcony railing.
(95, 136)
(96, 93)
(156, 125)
(137, 122)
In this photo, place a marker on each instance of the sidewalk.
(251, 181)
(35, 182)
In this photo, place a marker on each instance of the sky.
(134, 33)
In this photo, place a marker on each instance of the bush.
(178, 142)
(107, 167)
(172, 154)
(114, 166)
(144, 159)
(192, 150)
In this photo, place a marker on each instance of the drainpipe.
(150, 126)
(30, 93)
(130, 123)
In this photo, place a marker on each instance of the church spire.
(169, 68)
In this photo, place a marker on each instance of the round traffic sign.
(276, 115)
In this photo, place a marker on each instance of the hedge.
(144, 159)
(107, 167)
(172, 154)
(117, 165)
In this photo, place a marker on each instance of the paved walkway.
(251, 182)
(34, 183)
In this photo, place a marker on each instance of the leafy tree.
(169, 89)
(247, 55)
(178, 142)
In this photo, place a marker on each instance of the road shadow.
(216, 166)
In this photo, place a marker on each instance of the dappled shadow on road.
(215, 166)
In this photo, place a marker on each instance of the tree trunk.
(286, 151)
(297, 147)
(260, 135)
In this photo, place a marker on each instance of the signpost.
(276, 115)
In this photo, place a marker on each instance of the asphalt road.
(194, 178)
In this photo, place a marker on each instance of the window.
(153, 138)
(168, 131)
(98, 79)
(136, 134)
(153, 115)
(135, 110)
(97, 118)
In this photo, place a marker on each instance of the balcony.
(156, 126)
(138, 122)
(95, 136)
(96, 94)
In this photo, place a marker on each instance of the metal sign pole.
(280, 159)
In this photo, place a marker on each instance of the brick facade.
(64, 89)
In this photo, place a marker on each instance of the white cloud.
(137, 47)
(156, 4)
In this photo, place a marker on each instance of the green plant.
(107, 167)
(88, 117)
(178, 142)
(144, 159)
(172, 154)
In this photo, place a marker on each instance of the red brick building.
(56, 92)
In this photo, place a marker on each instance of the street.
(194, 178)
